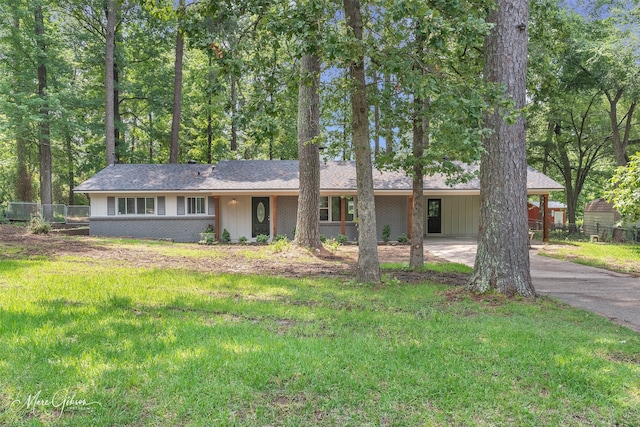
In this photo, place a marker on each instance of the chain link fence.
(55, 213)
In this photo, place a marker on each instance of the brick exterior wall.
(179, 229)
(394, 211)
(287, 207)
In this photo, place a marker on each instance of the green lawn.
(623, 258)
(84, 344)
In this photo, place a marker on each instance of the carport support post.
(216, 221)
(545, 220)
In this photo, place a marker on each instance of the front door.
(259, 216)
(434, 216)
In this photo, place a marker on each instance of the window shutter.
(180, 205)
(212, 207)
(111, 205)
(161, 209)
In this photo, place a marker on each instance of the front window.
(195, 205)
(136, 205)
(331, 208)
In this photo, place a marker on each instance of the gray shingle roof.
(148, 178)
(246, 175)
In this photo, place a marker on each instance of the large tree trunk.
(368, 263)
(308, 219)
(174, 150)
(109, 83)
(46, 195)
(23, 179)
(502, 261)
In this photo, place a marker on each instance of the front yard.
(109, 332)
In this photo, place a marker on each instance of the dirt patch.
(17, 243)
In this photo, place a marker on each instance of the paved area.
(613, 295)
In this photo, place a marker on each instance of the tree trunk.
(150, 137)
(68, 146)
(619, 145)
(386, 123)
(109, 83)
(308, 219)
(502, 261)
(209, 114)
(420, 143)
(117, 119)
(23, 179)
(234, 99)
(174, 150)
(46, 195)
(376, 115)
(368, 263)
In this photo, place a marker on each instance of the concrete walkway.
(613, 295)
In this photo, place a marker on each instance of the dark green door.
(259, 216)
(434, 216)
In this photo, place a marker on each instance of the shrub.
(323, 238)
(226, 236)
(342, 239)
(332, 244)
(403, 238)
(280, 245)
(386, 233)
(38, 225)
(262, 238)
(280, 237)
(243, 240)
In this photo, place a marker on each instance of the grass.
(446, 267)
(85, 345)
(617, 257)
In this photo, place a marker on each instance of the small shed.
(599, 214)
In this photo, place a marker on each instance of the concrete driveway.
(613, 295)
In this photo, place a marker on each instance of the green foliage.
(38, 225)
(280, 245)
(323, 238)
(403, 238)
(386, 233)
(341, 239)
(625, 189)
(279, 237)
(242, 240)
(262, 238)
(226, 236)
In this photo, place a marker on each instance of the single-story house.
(252, 197)
(556, 215)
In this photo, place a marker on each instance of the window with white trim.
(136, 205)
(331, 209)
(195, 205)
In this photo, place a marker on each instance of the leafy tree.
(502, 260)
(368, 263)
(177, 92)
(109, 82)
(437, 98)
(625, 192)
(308, 216)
